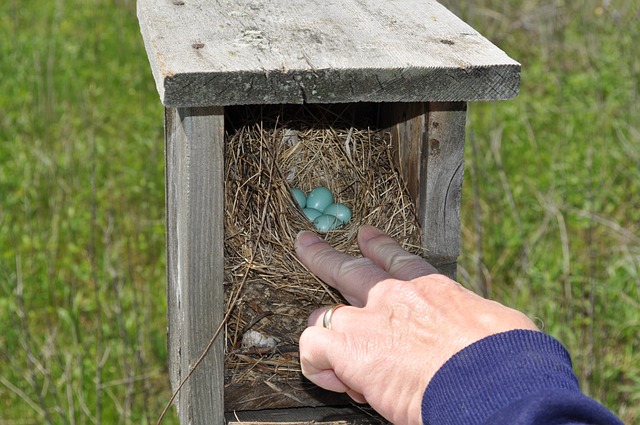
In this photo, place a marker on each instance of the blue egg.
(339, 211)
(319, 198)
(300, 197)
(311, 213)
(324, 223)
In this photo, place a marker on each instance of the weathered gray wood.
(429, 140)
(314, 415)
(279, 393)
(215, 52)
(195, 259)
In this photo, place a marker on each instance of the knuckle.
(346, 268)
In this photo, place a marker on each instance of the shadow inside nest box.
(300, 117)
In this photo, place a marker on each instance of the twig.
(630, 236)
(481, 282)
(26, 340)
(94, 275)
(496, 143)
(23, 396)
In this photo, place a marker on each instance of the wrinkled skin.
(404, 322)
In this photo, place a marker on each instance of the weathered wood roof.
(230, 52)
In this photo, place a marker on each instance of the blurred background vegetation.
(551, 203)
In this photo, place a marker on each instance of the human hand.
(405, 321)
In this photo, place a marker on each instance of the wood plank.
(430, 154)
(195, 262)
(407, 124)
(352, 415)
(278, 393)
(214, 52)
(440, 213)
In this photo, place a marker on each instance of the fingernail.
(306, 238)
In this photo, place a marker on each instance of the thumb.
(316, 347)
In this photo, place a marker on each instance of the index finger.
(353, 277)
(390, 256)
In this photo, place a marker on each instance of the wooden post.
(195, 258)
(439, 214)
(429, 142)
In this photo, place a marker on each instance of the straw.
(269, 152)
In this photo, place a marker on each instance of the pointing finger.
(384, 251)
(353, 277)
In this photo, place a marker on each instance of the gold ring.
(326, 319)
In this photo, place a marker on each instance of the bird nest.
(269, 294)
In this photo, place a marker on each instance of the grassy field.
(551, 204)
(552, 197)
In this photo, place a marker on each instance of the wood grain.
(352, 415)
(195, 261)
(429, 140)
(216, 52)
(279, 393)
(440, 211)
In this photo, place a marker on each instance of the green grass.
(551, 203)
(82, 217)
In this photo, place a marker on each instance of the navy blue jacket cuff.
(516, 377)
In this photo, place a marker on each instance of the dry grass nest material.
(270, 293)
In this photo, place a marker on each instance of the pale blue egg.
(300, 197)
(319, 198)
(324, 223)
(311, 213)
(339, 211)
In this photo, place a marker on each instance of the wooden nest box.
(413, 60)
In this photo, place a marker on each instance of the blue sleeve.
(516, 378)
